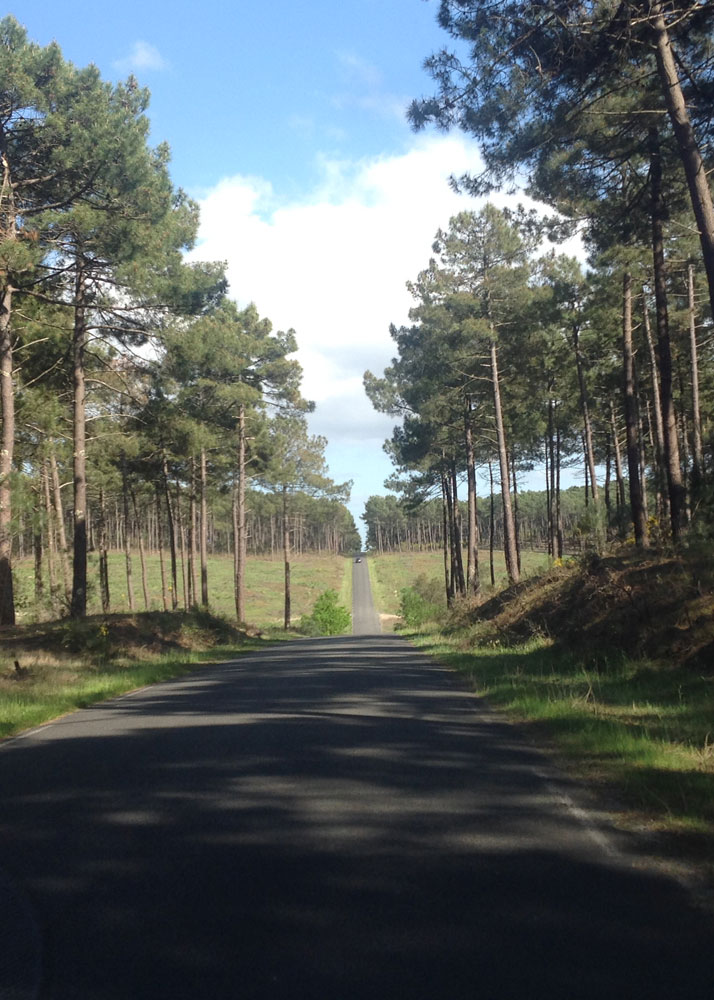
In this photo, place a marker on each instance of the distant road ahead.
(365, 620)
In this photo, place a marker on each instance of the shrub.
(422, 602)
(328, 617)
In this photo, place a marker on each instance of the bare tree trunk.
(459, 579)
(127, 534)
(160, 546)
(103, 554)
(697, 455)
(61, 533)
(585, 407)
(78, 604)
(669, 417)
(241, 547)
(492, 530)
(619, 478)
(182, 548)
(445, 532)
(203, 533)
(172, 534)
(660, 470)
(286, 559)
(694, 168)
(509, 532)
(639, 518)
(192, 546)
(473, 582)
(50, 533)
(7, 404)
(142, 554)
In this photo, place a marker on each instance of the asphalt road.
(332, 819)
(365, 620)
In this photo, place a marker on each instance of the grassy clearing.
(310, 575)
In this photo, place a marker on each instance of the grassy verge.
(49, 670)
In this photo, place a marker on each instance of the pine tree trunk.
(142, 554)
(694, 168)
(7, 411)
(459, 579)
(639, 518)
(445, 540)
(78, 603)
(203, 533)
(286, 559)
(127, 535)
(509, 531)
(160, 547)
(473, 582)
(659, 464)
(7, 406)
(241, 547)
(619, 478)
(182, 548)
(170, 522)
(192, 546)
(50, 534)
(697, 454)
(669, 417)
(103, 554)
(61, 533)
(585, 408)
(492, 529)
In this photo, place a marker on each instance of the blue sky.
(287, 122)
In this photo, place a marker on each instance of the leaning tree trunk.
(669, 418)
(459, 579)
(509, 530)
(78, 603)
(639, 517)
(694, 168)
(660, 470)
(50, 534)
(492, 528)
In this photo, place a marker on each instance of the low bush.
(327, 618)
(423, 602)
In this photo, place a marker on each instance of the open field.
(310, 575)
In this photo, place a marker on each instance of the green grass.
(310, 575)
(644, 735)
(390, 573)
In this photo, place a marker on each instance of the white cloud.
(143, 56)
(333, 265)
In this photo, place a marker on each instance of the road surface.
(365, 620)
(333, 819)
